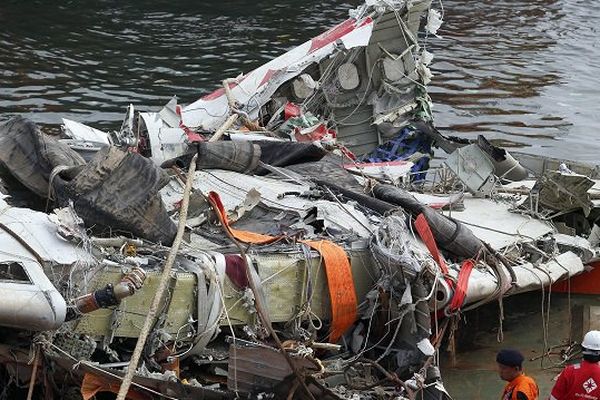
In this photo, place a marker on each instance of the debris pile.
(282, 237)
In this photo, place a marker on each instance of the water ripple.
(522, 72)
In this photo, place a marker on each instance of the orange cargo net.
(337, 269)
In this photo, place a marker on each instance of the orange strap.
(243, 236)
(337, 269)
(341, 286)
(460, 289)
(427, 237)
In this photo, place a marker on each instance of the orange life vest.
(523, 384)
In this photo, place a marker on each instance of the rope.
(34, 372)
(55, 171)
(149, 321)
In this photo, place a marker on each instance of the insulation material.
(119, 190)
(32, 156)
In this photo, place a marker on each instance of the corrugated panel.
(360, 147)
(359, 134)
(364, 149)
(392, 31)
(352, 115)
(256, 369)
(128, 318)
(283, 276)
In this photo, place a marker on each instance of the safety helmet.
(591, 343)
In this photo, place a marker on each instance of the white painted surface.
(84, 133)
(233, 187)
(493, 223)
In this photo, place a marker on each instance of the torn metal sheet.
(577, 245)
(392, 171)
(261, 369)
(564, 191)
(84, 133)
(473, 167)
(252, 200)
(29, 243)
(233, 188)
(343, 217)
(166, 142)
(260, 84)
(169, 113)
(277, 194)
(494, 223)
(41, 235)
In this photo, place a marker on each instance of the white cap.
(591, 342)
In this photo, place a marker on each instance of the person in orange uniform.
(581, 381)
(510, 369)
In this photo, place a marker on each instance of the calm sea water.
(522, 72)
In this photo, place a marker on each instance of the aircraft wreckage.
(282, 237)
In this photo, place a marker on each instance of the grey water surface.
(522, 72)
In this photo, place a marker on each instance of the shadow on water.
(521, 72)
